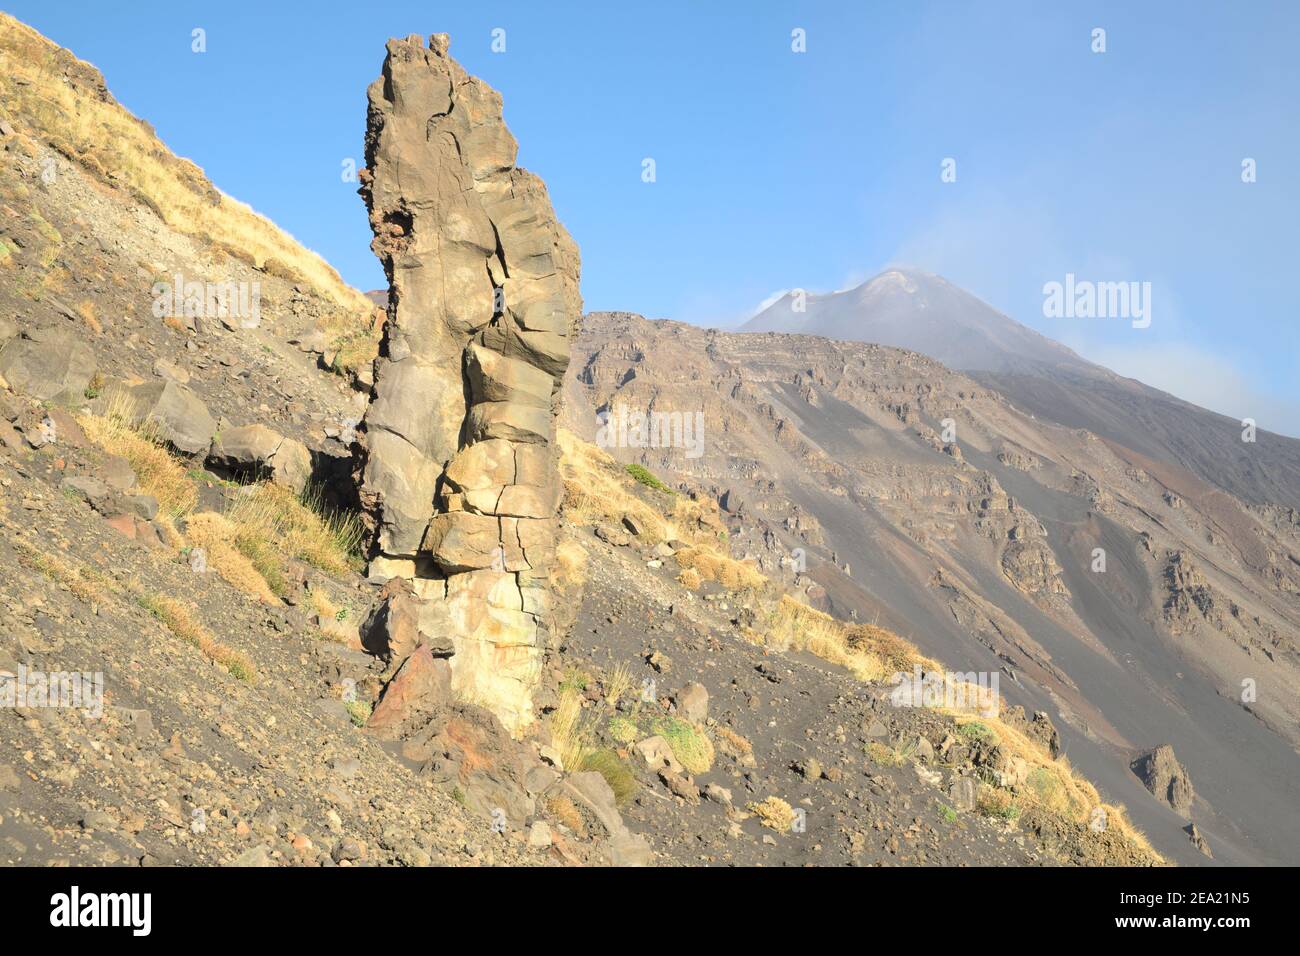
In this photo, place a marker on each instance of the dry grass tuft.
(733, 743)
(180, 621)
(571, 732)
(870, 653)
(87, 312)
(86, 584)
(96, 588)
(563, 811)
(712, 565)
(353, 339)
(774, 813)
(220, 541)
(570, 566)
(158, 471)
(690, 579)
(296, 525)
(618, 684)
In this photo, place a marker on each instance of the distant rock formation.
(1162, 774)
(456, 457)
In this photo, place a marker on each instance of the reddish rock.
(421, 686)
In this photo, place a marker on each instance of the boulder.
(94, 492)
(1162, 774)
(52, 365)
(421, 686)
(693, 703)
(260, 451)
(177, 415)
(396, 625)
(589, 789)
(657, 755)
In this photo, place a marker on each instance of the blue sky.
(815, 170)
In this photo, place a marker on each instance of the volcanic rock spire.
(457, 464)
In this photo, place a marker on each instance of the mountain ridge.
(925, 313)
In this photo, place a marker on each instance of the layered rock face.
(456, 455)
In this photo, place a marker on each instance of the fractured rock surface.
(456, 456)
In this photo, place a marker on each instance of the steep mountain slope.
(263, 700)
(979, 546)
(923, 312)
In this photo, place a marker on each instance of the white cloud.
(769, 301)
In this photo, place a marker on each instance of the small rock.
(539, 835)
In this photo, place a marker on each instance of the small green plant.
(888, 756)
(978, 732)
(1043, 783)
(623, 729)
(947, 813)
(616, 772)
(574, 679)
(359, 711)
(341, 614)
(693, 750)
(646, 477)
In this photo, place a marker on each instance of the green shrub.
(616, 772)
(623, 729)
(693, 750)
(647, 478)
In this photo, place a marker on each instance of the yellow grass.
(353, 338)
(105, 139)
(86, 584)
(219, 540)
(563, 811)
(87, 312)
(618, 684)
(158, 472)
(295, 525)
(875, 654)
(570, 565)
(598, 489)
(96, 588)
(732, 742)
(774, 813)
(1056, 788)
(710, 564)
(571, 733)
(870, 653)
(180, 621)
(321, 603)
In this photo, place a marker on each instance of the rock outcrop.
(1162, 774)
(456, 458)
